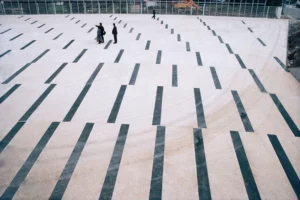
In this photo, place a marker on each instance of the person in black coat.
(115, 33)
(102, 32)
(153, 17)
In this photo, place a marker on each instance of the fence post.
(251, 8)
(267, 12)
(99, 7)
(113, 7)
(240, 8)
(28, 7)
(203, 11)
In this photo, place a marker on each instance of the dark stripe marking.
(120, 21)
(134, 74)
(67, 45)
(69, 168)
(37, 103)
(214, 33)
(34, 22)
(188, 48)
(257, 81)
(9, 92)
(27, 19)
(148, 45)
(281, 63)
(208, 28)
(6, 52)
(125, 25)
(10, 135)
(229, 48)
(166, 26)
(220, 39)
(243, 22)
(50, 79)
(19, 178)
(242, 111)
(79, 56)
(40, 56)
(199, 61)
(261, 42)
(72, 18)
(286, 164)
(41, 26)
(201, 166)
(119, 55)
(172, 31)
(107, 45)
(250, 30)
(16, 37)
(285, 115)
(95, 73)
(158, 164)
(240, 61)
(215, 78)
(90, 30)
(131, 30)
(161, 22)
(158, 57)
(77, 22)
(20, 17)
(199, 109)
(28, 44)
(174, 76)
(116, 107)
(14, 75)
(110, 16)
(204, 23)
(158, 106)
(178, 38)
(83, 25)
(114, 165)
(250, 185)
(115, 18)
(77, 103)
(49, 30)
(138, 36)
(57, 36)
(67, 16)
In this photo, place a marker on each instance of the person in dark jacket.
(102, 31)
(99, 34)
(115, 33)
(153, 17)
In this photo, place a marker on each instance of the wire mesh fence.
(207, 8)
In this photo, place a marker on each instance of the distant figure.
(153, 17)
(115, 33)
(102, 31)
(99, 34)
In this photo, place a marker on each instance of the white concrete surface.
(178, 109)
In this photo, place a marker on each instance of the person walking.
(102, 32)
(115, 33)
(153, 17)
(99, 34)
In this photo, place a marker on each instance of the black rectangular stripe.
(83, 25)
(40, 56)
(19, 178)
(199, 61)
(158, 57)
(158, 164)
(41, 26)
(134, 74)
(115, 18)
(10, 135)
(285, 115)
(243, 22)
(166, 26)
(77, 22)
(28, 44)
(172, 31)
(34, 22)
(188, 48)
(67, 16)
(67, 45)
(220, 39)
(49, 30)
(72, 18)
(14, 75)
(107, 45)
(16, 37)
(37, 103)
(161, 22)
(281, 63)
(201, 166)
(95, 73)
(77, 103)
(120, 21)
(250, 30)
(131, 30)
(138, 36)
(158, 106)
(119, 55)
(208, 28)
(69, 168)
(229, 48)
(50, 79)
(242, 111)
(257, 81)
(116, 107)
(199, 109)
(57, 36)
(174, 76)
(27, 19)
(6, 52)
(90, 30)
(178, 38)
(125, 25)
(79, 56)
(204, 23)
(114, 165)
(214, 33)
(251, 188)
(286, 164)
(200, 20)
(157, 19)
(148, 45)
(215, 78)
(9, 92)
(20, 17)
(262, 43)
(110, 16)
(240, 61)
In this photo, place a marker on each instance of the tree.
(294, 45)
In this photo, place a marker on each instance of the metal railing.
(36, 7)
